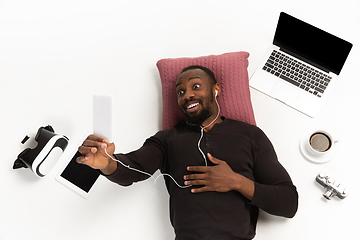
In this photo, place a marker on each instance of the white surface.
(54, 55)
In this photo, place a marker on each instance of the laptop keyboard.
(297, 73)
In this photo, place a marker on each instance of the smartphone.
(102, 116)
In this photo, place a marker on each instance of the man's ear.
(217, 90)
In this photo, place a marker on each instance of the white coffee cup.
(320, 142)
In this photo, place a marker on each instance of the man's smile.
(192, 107)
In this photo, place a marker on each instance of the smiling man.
(195, 88)
(229, 168)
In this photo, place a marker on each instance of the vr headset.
(44, 156)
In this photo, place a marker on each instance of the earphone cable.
(137, 170)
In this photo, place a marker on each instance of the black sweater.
(214, 215)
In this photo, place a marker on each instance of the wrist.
(237, 182)
(245, 186)
(110, 167)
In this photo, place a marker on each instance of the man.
(238, 174)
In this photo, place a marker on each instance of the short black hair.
(205, 69)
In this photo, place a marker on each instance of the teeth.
(192, 105)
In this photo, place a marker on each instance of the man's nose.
(189, 94)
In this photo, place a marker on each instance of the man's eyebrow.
(191, 78)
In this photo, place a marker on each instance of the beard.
(203, 115)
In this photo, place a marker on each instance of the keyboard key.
(322, 87)
(319, 89)
(289, 80)
(269, 65)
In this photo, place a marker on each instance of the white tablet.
(78, 177)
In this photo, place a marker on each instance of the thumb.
(213, 159)
(107, 149)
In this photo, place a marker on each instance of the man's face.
(195, 97)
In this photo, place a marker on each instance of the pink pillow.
(230, 70)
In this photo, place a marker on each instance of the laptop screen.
(311, 44)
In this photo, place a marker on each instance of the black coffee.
(320, 142)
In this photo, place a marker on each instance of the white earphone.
(216, 92)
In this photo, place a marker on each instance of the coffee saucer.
(316, 159)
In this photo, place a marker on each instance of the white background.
(54, 55)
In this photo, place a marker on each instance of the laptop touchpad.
(285, 92)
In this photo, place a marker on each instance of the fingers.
(200, 190)
(83, 160)
(198, 178)
(204, 168)
(96, 138)
(92, 143)
(192, 177)
(93, 151)
(196, 168)
(195, 182)
(88, 149)
(214, 159)
(210, 178)
(95, 142)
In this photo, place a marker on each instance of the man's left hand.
(219, 178)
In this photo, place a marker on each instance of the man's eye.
(180, 92)
(196, 86)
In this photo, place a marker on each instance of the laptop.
(301, 66)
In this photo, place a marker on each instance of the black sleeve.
(147, 159)
(274, 190)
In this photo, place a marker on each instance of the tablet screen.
(80, 175)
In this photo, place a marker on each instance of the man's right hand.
(94, 155)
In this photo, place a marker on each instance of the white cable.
(202, 131)
(202, 153)
(137, 170)
(215, 117)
